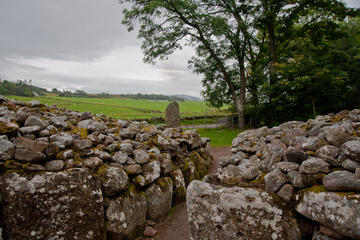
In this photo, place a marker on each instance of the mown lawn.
(219, 136)
(124, 107)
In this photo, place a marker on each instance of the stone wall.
(70, 175)
(299, 180)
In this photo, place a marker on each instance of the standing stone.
(64, 205)
(172, 115)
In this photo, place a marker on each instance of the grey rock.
(216, 212)
(62, 140)
(166, 164)
(133, 169)
(274, 180)
(341, 181)
(168, 143)
(126, 215)
(179, 193)
(33, 167)
(159, 198)
(35, 121)
(338, 212)
(336, 137)
(127, 147)
(295, 155)
(314, 165)
(250, 173)
(7, 149)
(29, 130)
(286, 192)
(287, 166)
(273, 155)
(329, 153)
(93, 162)
(35, 103)
(113, 180)
(350, 165)
(54, 165)
(151, 171)
(314, 143)
(172, 115)
(354, 115)
(82, 144)
(141, 156)
(59, 122)
(301, 180)
(46, 204)
(357, 172)
(112, 147)
(92, 125)
(102, 155)
(352, 149)
(86, 116)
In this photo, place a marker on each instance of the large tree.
(219, 31)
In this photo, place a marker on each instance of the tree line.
(273, 60)
(19, 88)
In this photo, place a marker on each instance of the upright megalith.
(172, 115)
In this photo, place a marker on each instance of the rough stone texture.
(172, 115)
(120, 157)
(113, 180)
(126, 215)
(340, 212)
(92, 125)
(82, 144)
(352, 150)
(350, 165)
(274, 180)
(314, 165)
(301, 180)
(337, 137)
(179, 185)
(54, 165)
(287, 166)
(295, 155)
(159, 198)
(329, 153)
(46, 203)
(236, 213)
(6, 150)
(141, 156)
(151, 171)
(35, 121)
(342, 181)
(286, 192)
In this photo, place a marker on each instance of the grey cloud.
(66, 29)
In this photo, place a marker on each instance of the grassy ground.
(219, 136)
(124, 107)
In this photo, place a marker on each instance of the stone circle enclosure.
(70, 175)
(298, 180)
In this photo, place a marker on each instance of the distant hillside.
(20, 88)
(187, 97)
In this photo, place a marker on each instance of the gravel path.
(176, 226)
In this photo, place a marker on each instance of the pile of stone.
(71, 175)
(298, 180)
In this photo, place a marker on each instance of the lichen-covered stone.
(7, 149)
(329, 153)
(151, 171)
(295, 155)
(7, 127)
(64, 205)
(274, 180)
(179, 185)
(236, 213)
(352, 149)
(92, 162)
(92, 125)
(302, 180)
(54, 165)
(126, 215)
(62, 140)
(82, 144)
(133, 169)
(314, 165)
(141, 156)
(35, 121)
(350, 165)
(287, 166)
(172, 115)
(340, 212)
(113, 180)
(286, 192)
(159, 198)
(120, 157)
(341, 181)
(336, 137)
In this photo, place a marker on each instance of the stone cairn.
(70, 175)
(298, 180)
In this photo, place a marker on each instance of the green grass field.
(124, 107)
(219, 136)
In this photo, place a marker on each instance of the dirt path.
(176, 227)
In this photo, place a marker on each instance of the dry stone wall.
(298, 180)
(70, 175)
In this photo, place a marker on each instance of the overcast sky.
(82, 45)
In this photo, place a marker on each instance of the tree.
(219, 32)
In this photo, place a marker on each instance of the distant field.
(219, 136)
(124, 107)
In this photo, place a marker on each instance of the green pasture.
(124, 107)
(219, 136)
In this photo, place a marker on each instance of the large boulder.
(217, 212)
(159, 198)
(66, 205)
(340, 212)
(126, 215)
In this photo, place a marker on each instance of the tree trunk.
(242, 95)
